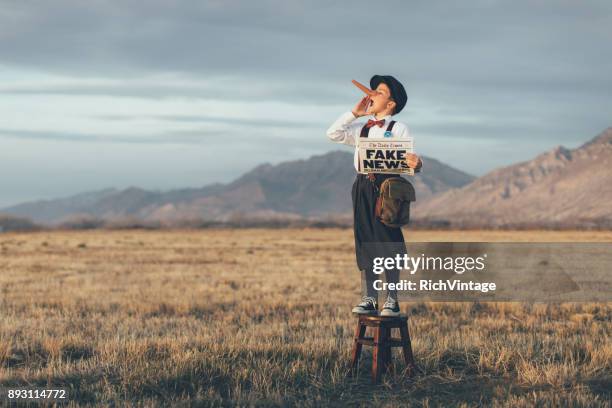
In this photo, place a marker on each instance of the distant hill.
(315, 187)
(562, 187)
(11, 223)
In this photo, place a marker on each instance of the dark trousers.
(373, 238)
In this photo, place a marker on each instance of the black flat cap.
(398, 93)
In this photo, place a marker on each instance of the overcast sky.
(169, 94)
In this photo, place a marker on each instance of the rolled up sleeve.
(343, 130)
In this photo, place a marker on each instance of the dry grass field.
(262, 317)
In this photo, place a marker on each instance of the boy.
(373, 238)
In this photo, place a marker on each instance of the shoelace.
(390, 304)
(367, 299)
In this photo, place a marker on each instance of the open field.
(262, 317)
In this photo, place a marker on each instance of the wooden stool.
(382, 342)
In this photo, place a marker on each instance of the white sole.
(389, 313)
(363, 312)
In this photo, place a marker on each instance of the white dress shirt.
(346, 131)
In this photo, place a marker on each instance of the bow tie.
(378, 123)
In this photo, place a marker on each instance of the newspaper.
(381, 155)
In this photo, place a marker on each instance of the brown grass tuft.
(262, 317)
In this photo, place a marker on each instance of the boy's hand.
(361, 109)
(413, 161)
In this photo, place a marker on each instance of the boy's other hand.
(413, 161)
(361, 109)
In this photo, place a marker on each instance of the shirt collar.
(385, 118)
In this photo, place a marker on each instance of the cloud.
(313, 41)
(159, 87)
(209, 119)
(482, 56)
(178, 137)
(270, 76)
(257, 134)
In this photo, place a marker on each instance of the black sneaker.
(390, 308)
(368, 305)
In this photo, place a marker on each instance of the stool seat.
(382, 342)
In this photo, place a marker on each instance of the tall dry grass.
(262, 317)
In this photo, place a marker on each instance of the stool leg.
(359, 333)
(377, 356)
(386, 348)
(407, 347)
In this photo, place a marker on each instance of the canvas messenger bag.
(393, 201)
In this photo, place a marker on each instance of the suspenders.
(366, 130)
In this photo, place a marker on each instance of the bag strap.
(372, 178)
(365, 131)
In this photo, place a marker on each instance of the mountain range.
(562, 187)
(316, 187)
(565, 187)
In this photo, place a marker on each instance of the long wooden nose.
(363, 88)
